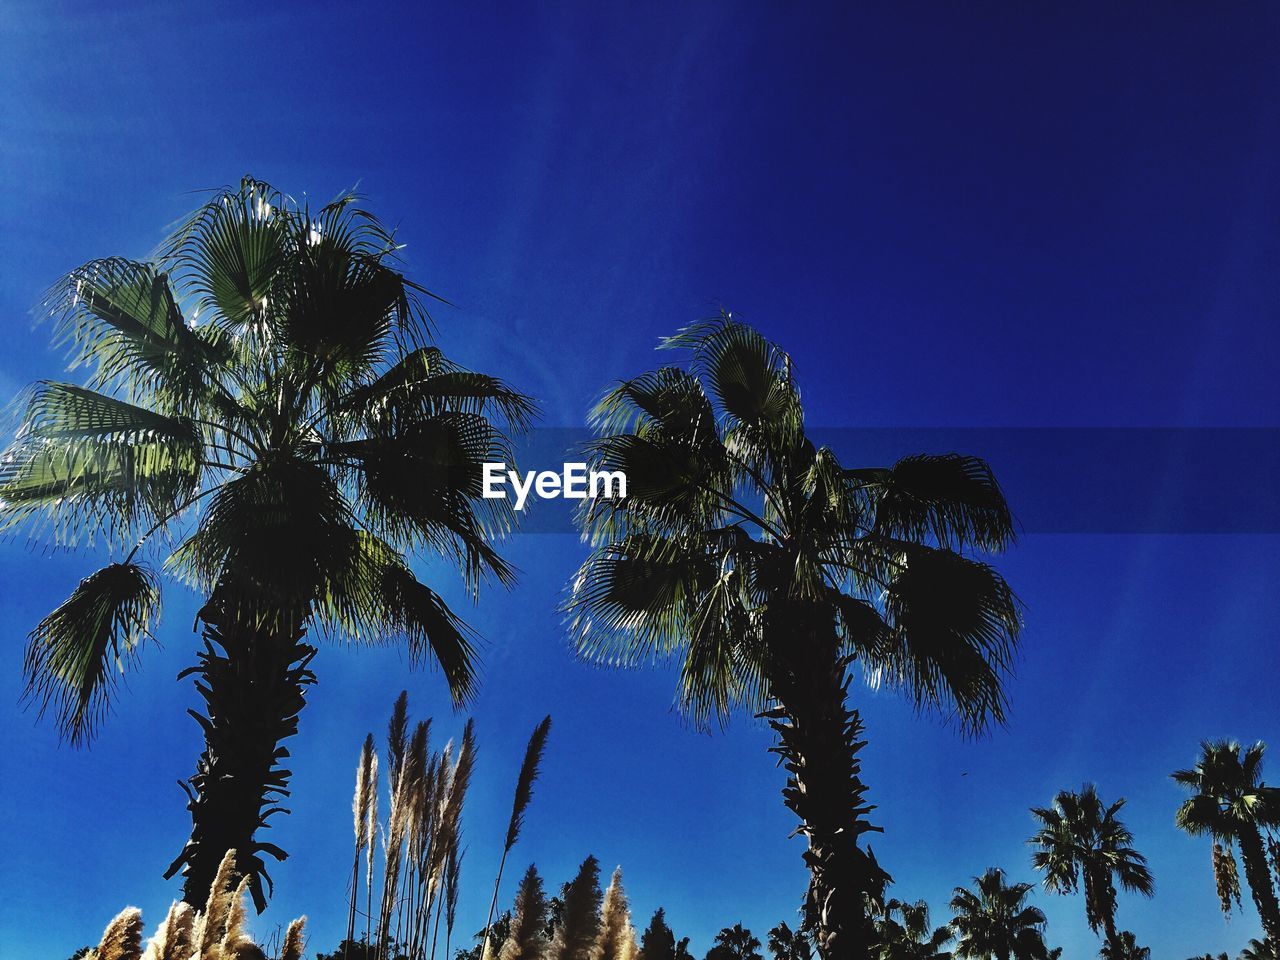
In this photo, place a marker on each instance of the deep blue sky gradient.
(979, 215)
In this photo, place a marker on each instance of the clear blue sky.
(977, 215)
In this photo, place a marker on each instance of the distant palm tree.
(1124, 946)
(736, 943)
(765, 567)
(904, 933)
(995, 922)
(1260, 950)
(1232, 804)
(263, 393)
(787, 944)
(1080, 837)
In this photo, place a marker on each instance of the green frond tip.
(77, 654)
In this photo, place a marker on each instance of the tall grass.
(416, 889)
(519, 805)
(216, 933)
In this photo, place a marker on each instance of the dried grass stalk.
(122, 939)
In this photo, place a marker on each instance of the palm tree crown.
(1124, 947)
(1080, 837)
(764, 566)
(904, 933)
(265, 419)
(1230, 803)
(995, 923)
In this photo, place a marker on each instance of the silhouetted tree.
(499, 933)
(262, 394)
(788, 944)
(1083, 840)
(1260, 950)
(735, 943)
(359, 950)
(658, 942)
(904, 933)
(1231, 804)
(995, 923)
(1124, 946)
(766, 567)
(555, 912)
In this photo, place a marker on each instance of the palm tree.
(1081, 837)
(765, 567)
(1231, 804)
(904, 933)
(995, 923)
(786, 944)
(266, 419)
(1260, 950)
(1124, 946)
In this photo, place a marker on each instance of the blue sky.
(991, 216)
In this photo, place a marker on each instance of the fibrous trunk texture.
(1259, 876)
(252, 675)
(819, 738)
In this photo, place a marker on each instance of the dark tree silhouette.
(735, 943)
(904, 933)
(1081, 840)
(994, 922)
(1123, 946)
(658, 942)
(264, 394)
(1231, 803)
(765, 567)
(788, 944)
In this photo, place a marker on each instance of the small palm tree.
(788, 944)
(1124, 946)
(1260, 950)
(265, 419)
(1080, 837)
(994, 922)
(1231, 804)
(765, 567)
(904, 933)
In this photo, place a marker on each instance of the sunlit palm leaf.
(119, 318)
(78, 653)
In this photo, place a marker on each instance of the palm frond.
(90, 462)
(372, 596)
(77, 654)
(955, 623)
(423, 488)
(120, 319)
(953, 499)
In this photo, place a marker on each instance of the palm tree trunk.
(252, 678)
(1259, 876)
(819, 741)
(1100, 906)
